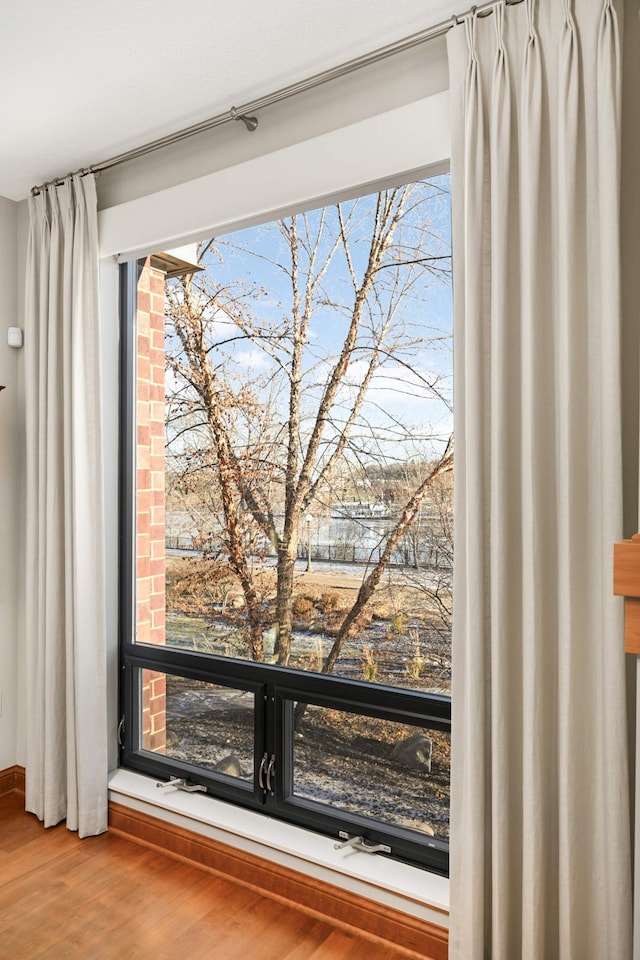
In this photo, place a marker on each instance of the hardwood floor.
(67, 899)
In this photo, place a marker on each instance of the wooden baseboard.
(350, 912)
(12, 780)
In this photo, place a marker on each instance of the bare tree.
(409, 513)
(434, 580)
(275, 398)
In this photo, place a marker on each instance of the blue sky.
(252, 266)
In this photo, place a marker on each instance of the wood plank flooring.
(106, 898)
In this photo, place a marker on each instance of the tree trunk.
(284, 605)
(256, 639)
(298, 714)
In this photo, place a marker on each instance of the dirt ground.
(401, 640)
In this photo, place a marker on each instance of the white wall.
(357, 158)
(10, 454)
(400, 80)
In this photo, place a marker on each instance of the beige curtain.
(540, 824)
(66, 732)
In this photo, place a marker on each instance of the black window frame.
(275, 689)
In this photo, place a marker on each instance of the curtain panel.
(540, 862)
(66, 731)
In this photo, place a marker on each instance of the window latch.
(359, 843)
(179, 784)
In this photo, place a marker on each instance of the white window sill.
(397, 885)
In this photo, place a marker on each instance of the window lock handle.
(178, 783)
(270, 772)
(267, 763)
(261, 769)
(359, 843)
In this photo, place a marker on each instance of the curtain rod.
(244, 112)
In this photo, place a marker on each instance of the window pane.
(202, 723)
(393, 772)
(293, 402)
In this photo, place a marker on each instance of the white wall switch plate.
(14, 337)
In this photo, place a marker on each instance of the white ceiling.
(83, 80)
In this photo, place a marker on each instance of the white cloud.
(397, 386)
(254, 360)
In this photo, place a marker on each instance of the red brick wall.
(150, 509)
(154, 690)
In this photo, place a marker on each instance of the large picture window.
(287, 518)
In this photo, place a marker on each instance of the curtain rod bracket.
(250, 122)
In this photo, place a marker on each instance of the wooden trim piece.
(348, 911)
(12, 780)
(626, 583)
(631, 625)
(7, 781)
(626, 567)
